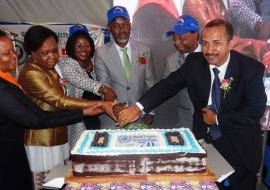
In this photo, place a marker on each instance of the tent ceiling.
(54, 11)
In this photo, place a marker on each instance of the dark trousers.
(14, 168)
(242, 178)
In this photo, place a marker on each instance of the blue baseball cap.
(184, 24)
(117, 11)
(77, 27)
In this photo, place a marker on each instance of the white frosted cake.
(143, 151)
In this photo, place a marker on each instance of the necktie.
(216, 92)
(127, 65)
(214, 130)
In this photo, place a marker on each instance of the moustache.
(123, 35)
(211, 54)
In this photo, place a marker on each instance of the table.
(221, 169)
(199, 181)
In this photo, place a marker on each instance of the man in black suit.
(229, 101)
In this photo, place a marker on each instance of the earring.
(35, 60)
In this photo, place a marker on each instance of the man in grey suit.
(185, 36)
(124, 64)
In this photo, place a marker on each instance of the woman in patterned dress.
(77, 69)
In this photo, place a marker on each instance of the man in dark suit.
(227, 92)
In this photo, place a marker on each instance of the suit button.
(128, 88)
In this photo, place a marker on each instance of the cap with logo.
(77, 27)
(117, 11)
(184, 24)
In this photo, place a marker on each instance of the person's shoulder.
(138, 44)
(2, 83)
(102, 50)
(29, 67)
(247, 62)
(173, 55)
(196, 56)
(195, 60)
(67, 61)
(104, 46)
(30, 71)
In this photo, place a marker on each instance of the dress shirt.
(120, 52)
(222, 70)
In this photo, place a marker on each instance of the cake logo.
(124, 139)
(137, 141)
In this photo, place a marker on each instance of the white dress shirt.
(222, 71)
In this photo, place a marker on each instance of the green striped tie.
(127, 65)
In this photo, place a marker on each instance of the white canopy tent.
(55, 11)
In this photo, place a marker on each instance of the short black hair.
(220, 22)
(70, 45)
(35, 37)
(2, 33)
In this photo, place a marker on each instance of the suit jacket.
(18, 112)
(240, 110)
(109, 70)
(44, 89)
(184, 105)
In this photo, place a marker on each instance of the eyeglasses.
(117, 26)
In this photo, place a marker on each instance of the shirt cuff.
(140, 106)
(217, 119)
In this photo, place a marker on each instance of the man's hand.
(93, 109)
(109, 94)
(264, 31)
(266, 61)
(117, 108)
(129, 115)
(149, 118)
(209, 117)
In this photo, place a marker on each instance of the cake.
(141, 151)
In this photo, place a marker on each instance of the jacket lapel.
(231, 72)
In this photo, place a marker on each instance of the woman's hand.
(108, 109)
(93, 109)
(98, 107)
(109, 94)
